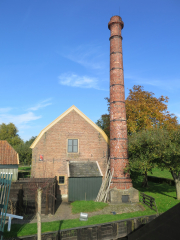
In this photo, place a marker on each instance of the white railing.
(10, 217)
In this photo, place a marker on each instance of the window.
(61, 179)
(72, 145)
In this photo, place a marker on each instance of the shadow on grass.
(160, 188)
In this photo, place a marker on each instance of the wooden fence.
(105, 231)
(22, 198)
(148, 201)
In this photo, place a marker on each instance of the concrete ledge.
(116, 195)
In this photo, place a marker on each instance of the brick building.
(74, 149)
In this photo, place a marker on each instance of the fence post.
(53, 200)
(47, 201)
(39, 190)
(20, 200)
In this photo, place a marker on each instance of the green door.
(83, 188)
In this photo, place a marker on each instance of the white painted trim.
(99, 168)
(62, 116)
(18, 157)
(68, 168)
(10, 217)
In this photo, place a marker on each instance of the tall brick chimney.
(121, 184)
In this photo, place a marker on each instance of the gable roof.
(84, 169)
(61, 117)
(7, 154)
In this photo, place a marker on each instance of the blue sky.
(55, 54)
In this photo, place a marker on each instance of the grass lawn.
(26, 168)
(156, 172)
(164, 194)
(24, 171)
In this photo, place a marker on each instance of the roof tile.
(7, 154)
(83, 169)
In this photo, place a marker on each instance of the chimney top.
(116, 19)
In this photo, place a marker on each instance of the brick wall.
(53, 147)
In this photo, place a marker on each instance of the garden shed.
(85, 179)
(9, 159)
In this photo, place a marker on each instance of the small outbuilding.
(85, 179)
(9, 159)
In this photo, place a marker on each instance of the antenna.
(119, 11)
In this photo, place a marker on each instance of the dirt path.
(63, 212)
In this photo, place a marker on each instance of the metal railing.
(9, 220)
(5, 185)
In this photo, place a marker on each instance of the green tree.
(9, 132)
(25, 153)
(168, 156)
(143, 150)
(104, 124)
(155, 148)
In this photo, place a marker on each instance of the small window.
(61, 179)
(72, 145)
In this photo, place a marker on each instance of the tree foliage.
(104, 124)
(143, 150)
(156, 147)
(168, 156)
(143, 111)
(9, 132)
(25, 152)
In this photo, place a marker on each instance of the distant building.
(74, 149)
(9, 159)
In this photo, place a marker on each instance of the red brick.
(118, 128)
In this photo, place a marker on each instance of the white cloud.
(42, 104)
(88, 55)
(18, 119)
(73, 80)
(23, 120)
